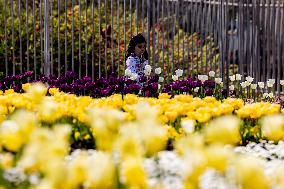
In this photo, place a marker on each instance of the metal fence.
(90, 37)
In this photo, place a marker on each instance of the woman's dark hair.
(138, 39)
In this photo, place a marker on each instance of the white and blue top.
(136, 65)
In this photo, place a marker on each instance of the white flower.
(270, 95)
(158, 71)
(148, 68)
(179, 72)
(211, 74)
(282, 82)
(221, 84)
(218, 80)
(147, 72)
(133, 76)
(248, 83)
(261, 85)
(271, 81)
(265, 95)
(238, 77)
(253, 86)
(202, 77)
(161, 79)
(159, 86)
(232, 87)
(232, 78)
(175, 77)
(196, 89)
(243, 84)
(249, 79)
(127, 72)
(269, 85)
(188, 125)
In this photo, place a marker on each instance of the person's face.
(140, 49)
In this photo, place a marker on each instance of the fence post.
(46, 39)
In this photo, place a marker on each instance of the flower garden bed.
(173, 136)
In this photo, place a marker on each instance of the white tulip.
(269, 85)
(261, 85)
(265, 95)
(158, 71)
(161, 79)
(270, 95)
(133, 76)
(249, 79)
(282, 82)
(196, 89)
(232, 87)
(253, 86)
(232, 78)
(159, 86)
(147, 72)
(179, 72)
(243, 84)
(175, 77)
(238, 77)
(211, 74)
(218, 80)
(148, 68)
(127, 72)
(271, 81)
(202, 77)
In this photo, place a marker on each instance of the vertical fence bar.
(192, 32)
(86, 38)
(41, 37)
(6, 47)
(178, 28)
(263, 41)
(27, 35)
(65, 37)
(118, 37)
(206, 41)
(93, 39)
(169, 18)
(158, 24)
(130, 10)
(163, 39)
(137, 17)
(124, 30)
(143, 16)
(269, 42)
(13, 40)
(188, 59)
(274, 43)
(80, 36)
(183, 31)
(72, 36)
(51, 38)
(58, 38)
(153, 34)
(173, 37)
(46, 39)
(100, 39)
(278, 39)
(106, 39)
(148, 29)
(34, 38)
(112, 49)
(20, 35)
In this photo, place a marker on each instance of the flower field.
(130, 141)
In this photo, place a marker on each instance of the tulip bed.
(52, 139)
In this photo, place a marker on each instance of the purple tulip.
(209, 83)
(208, 92)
